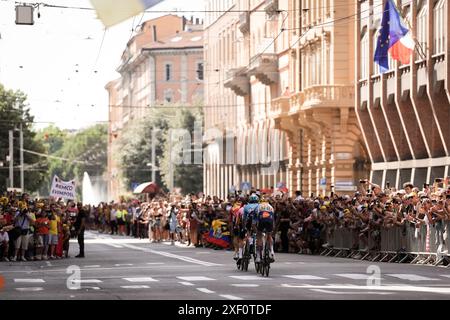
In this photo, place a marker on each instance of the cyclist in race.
(249, 215)
(264, 224)
(237, 226)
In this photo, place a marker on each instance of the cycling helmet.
(253, 198)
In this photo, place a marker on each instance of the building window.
(376, 67)
(422, 31)
(439, 27)
(200, 71)
(364, 56)
(168, 72)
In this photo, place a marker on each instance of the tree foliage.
(72, 154)
(13, 112)
(134, 149)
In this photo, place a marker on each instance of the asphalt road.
(126, 268)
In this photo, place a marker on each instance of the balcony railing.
(279, 107)
(238, 81)
(328, 96)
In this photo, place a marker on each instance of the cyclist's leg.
(259, 245)
(268, 228)
(237, 243)
(241, 241)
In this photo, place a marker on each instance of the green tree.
(14, 112)
(76, 153)
(134, 147)
(187, 175)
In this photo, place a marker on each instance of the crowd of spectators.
(41, 229)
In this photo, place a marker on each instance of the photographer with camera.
(22, 222)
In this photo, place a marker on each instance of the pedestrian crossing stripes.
(251, 278)
(29, 280)
(406, 282)
(244, 285)
(87, 281)
(230, 297)
(354, 276)
(30, 289)
(412, 277)
(304, 277)
(195, 278)
(144, 279)
(205, 290)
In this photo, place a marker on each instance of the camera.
(438, 180)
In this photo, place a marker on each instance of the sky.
(61, 63)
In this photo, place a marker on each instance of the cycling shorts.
(265, 225)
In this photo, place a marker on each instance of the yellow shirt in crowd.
(54, 225)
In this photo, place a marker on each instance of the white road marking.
(123, 264)
(136, 287)
(113, 245)
(252, 278)
(32, 289)
(155, 263)
(29, 281)
(304, 277)
(204, 290)
(411, 277)
(354, 276)
(174, 256)
(93, 266)
(403, 288)
(346, 292)
(445, 275)
(195, 278)
(148, 279)
(186, 283)
(230, 297)
(87, 281)
(94, 288)
(245, 285)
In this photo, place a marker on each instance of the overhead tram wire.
(185, 11)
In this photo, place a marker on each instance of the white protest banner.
(63, 189)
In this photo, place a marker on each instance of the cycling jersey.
(250, 213)
(265, 218)
(265, 211)
(236, 215)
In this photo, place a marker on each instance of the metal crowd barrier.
(401, 244)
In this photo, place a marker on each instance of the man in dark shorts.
(80, 227)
